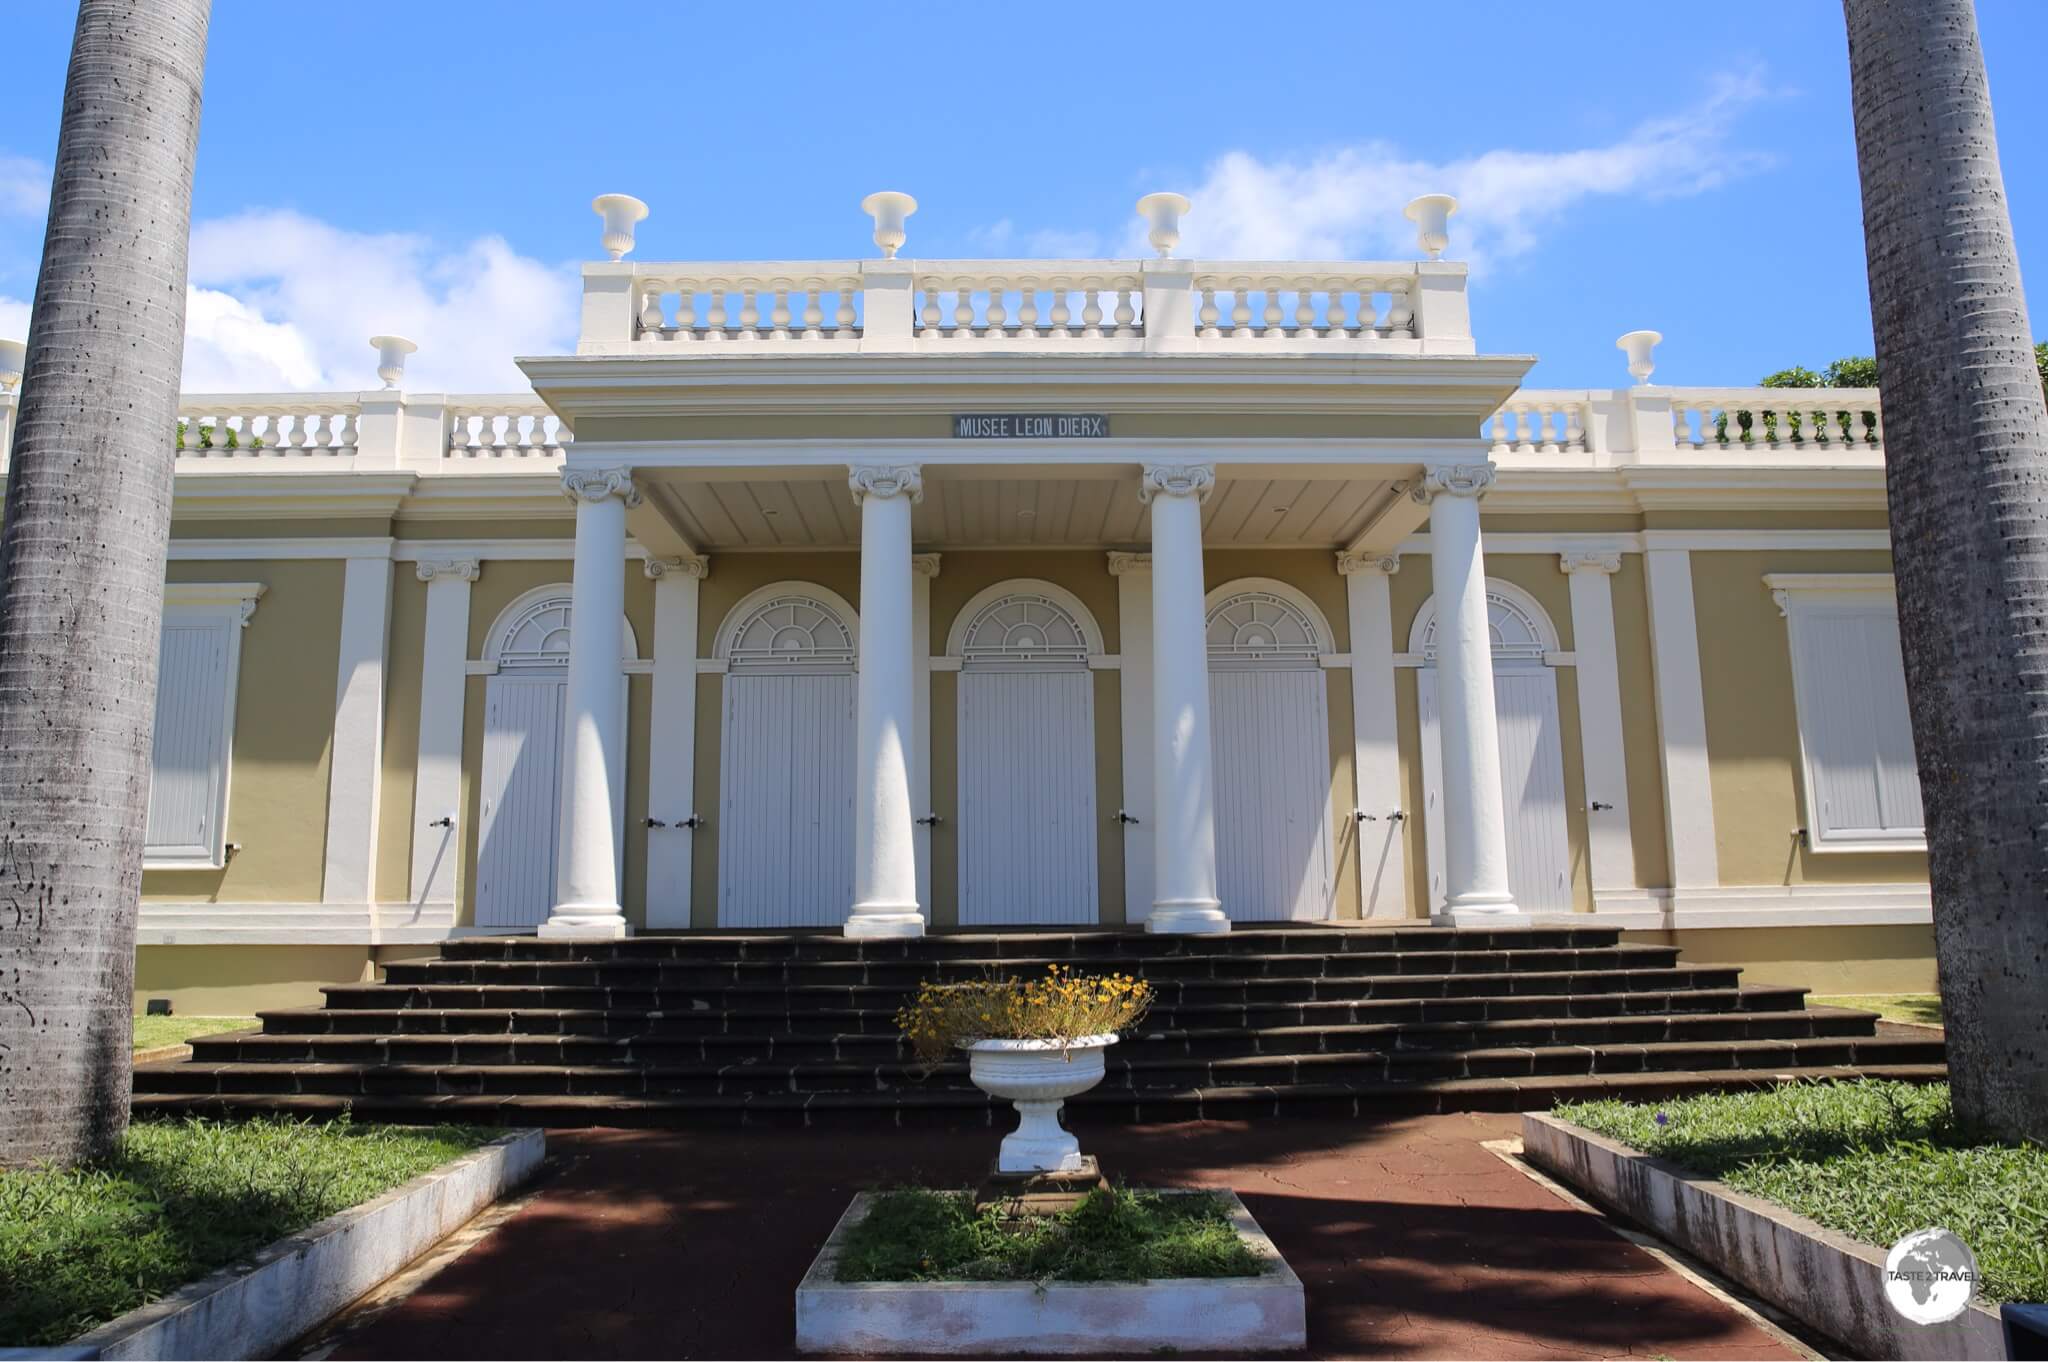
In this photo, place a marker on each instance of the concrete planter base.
(1265, 1313)
(1833, 1283)
(254, 1308)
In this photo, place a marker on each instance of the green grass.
(1922, 1009)
(912, 1235)
(152, 1032)
(1871, 1159)
(80, 1246)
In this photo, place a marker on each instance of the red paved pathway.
(1412, 1239)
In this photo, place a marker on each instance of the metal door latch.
(1396, 816)
(930, 820)
(444, 821)
(695, 821)
(1123, 817)
(1597, 807)
(656, 823)
(1361, 816)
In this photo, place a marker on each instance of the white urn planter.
(1037, 1077)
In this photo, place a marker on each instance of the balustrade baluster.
(312, 431)
(1499, 427)
(1207, 314)
(843, 315)
(750, 311)
(686, 309)
(1126, 315)
(458, 434)
(1575, 428)
(714, 319)
(1240, 307)
(537, 439)
(1305, 308)
(1027, 309)
(1400, 312)
(778, 310)
(1062, 308)
(1271, 318)
(1546, 429)
(650, 309)
(1091, 310)
(814, 309)
(346, 439)
(963, 309)
(1368, 309)
(930, 315)
(998, 311)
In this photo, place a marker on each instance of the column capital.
(1121, 563)
(1453, 479)
(1589, 560)
(1386, 564)
(925, 564)
(1176, 480)
(886, 480)
(682, 566)
(596, 484)
(463, 569)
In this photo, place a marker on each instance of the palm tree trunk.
(82, 572)
(1966, 439)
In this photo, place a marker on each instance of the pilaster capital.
(1453, 479)
(682, 566)
(1386, 564)
(460, 569)
(886, 480)
(1589, 560)
(1176, 480)
(595, 484)
(1120, 563)
(925, 564)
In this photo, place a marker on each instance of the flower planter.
(1037, 1076)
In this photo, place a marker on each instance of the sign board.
(1031, 426)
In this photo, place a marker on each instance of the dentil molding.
(595, 484)
(658, 568)
(1574, 560)
(886, 480)
(461, 569)
(1349, 563)
(1453, 479)
(1177, 480)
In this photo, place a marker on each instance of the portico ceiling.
(967, 512)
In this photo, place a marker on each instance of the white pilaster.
(885, 901)
(1681, 720)
(356, 764)
(437, 779)
(587, 869)
(1376, 756)
(924, 567)
(1610, 847)
(1475, 816)
(1183, 778)
(1133, 573)
(672, 739)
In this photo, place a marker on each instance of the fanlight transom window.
(1024, 629)
(1516, 633)
(1260, 629)
(538, 636)
(796, 633)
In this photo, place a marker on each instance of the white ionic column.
(1475, 816)
(437, 779)
(1610, 843)
(884, 840)
(1183, 779)
(587, 874)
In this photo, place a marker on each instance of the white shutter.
(1532, 787)
(1849, 685)
(1027, 796)
(198, 654)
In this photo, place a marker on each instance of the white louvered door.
(188, 757)
(1532, 788)
(520, 804)
(1027, 796)
(785, 828)
(1271, 746)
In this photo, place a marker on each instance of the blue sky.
(1685, 167)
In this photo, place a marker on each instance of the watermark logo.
(1930, 1276)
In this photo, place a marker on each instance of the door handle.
(695, 821)
(1597, 807)
(1361, 816)
(930, 820)
(655, 823)
(1124, 818)
(444, 821)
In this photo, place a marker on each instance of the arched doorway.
(1269, 722)
(1531, 749)
(1027, 756)
(785, 827)
(520, 783)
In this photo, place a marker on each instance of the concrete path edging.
(254, 1308)
(1832, 1282)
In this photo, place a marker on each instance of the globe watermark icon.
(1930, 1276)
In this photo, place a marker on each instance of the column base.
(1480, 915)
(1202, 918)
(573, 923)
(891, 920)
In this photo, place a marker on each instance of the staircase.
(799, 1029)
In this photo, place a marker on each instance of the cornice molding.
(1195, 480)
(241, 596)
(886, 480)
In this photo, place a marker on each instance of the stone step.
(599, 1021)
(1189, 1042)
(954, 1109)
(907, 975)
(827, 944)
(1127, 1071)
(806, 998)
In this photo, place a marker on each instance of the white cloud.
(24, 187)
(281, 300)
(1346, 203)
(13, 319)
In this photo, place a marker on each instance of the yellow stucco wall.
(1825, 959)
(284, 726)
(238, 981)
(1753, 727)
